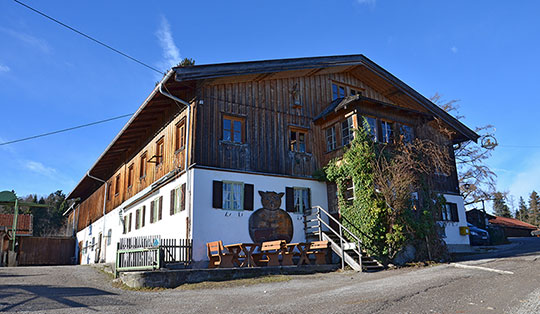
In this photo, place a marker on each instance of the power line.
(65, 130)
(88, 37)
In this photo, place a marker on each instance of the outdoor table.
(303, 247)
(247, 249)
(287, 254)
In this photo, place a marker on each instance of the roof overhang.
(147, 119)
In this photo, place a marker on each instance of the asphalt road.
(506, 281)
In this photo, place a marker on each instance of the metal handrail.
(339, 223)
(340, 235)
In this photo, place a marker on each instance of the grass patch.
(233, 283)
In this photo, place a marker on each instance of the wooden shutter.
(453, 211)
(173, 192)
(152, 212)
(309, 199)
(143, 215)
(289, 199)
(217, 194)
(248, 196)
(160, 208)
(183, 197)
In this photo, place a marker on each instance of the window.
(348, 193)
(449, 212)
(233, 193)
(370, 125)
(130, 176)
(180, 136)
(93, 242)
(156, 209)
(109, 236)
(330, 139)
(142, 170)
(406, 133)
(160, 151)
(347, 131)
(137, 219)
(124, 222)
(178, 197)
(129, 223)
(85, 247)
(297, 141)
(117, 185)
(109, 190)
(338, 91)
(297, 199)
(301, 200)
(387, 131)
(233, 129)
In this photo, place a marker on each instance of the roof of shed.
(511, 222)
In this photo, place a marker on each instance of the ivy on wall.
(383, 213)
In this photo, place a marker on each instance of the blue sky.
(483, 53)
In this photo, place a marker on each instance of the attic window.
(297, 140)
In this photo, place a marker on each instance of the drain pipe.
(103, 247)
(188, 128)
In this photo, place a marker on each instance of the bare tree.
(476, 179)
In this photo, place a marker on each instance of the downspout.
(188, 129)
(103, 247)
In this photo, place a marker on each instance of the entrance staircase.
(342, 241)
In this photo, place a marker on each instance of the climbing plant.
(394, 201)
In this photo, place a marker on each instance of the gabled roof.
(347, 62)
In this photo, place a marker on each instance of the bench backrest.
(318, 245)
(273, 245)
(214, 248)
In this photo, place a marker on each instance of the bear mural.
(270, 222)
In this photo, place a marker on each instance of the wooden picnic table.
(302, 248)
(246, 248)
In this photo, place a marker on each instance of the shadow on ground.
(45, 297)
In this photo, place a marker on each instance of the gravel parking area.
(495, 285)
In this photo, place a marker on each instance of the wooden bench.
(217, 255)
(319, 250)
(269, 254)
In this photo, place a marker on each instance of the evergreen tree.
(534, 208)
(522, 211)
(499, 205)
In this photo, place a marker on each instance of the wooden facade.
(243, 116)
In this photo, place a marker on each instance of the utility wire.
(89, 37)
(65, 130)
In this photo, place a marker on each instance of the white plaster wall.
(452, 228)
(170, 226)
(211, 224)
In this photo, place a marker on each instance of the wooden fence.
(151, 252)
(46, 251)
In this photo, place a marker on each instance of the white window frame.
(228, 203)
(155, 210)
(300, 203)
(330, 139)
(178, 199)
(350, 131)
(387, 129)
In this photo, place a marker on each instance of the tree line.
(527, 211)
